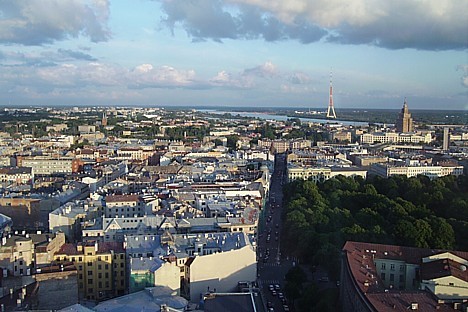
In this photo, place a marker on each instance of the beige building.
(43, 165)
(101, 268)
(17, 255)
(405, 121)
(392, 137)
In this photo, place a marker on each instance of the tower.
(446, 142)
(405, 121)
(104, 119)
(331, 109)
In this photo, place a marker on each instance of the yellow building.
(101, 268)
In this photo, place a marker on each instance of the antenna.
(331, 109)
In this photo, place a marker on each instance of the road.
(272, 265)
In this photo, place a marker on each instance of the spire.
(331, 109)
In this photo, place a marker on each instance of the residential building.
(377, 277)
(17, 255)
(101, 268)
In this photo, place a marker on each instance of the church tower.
(405, 121)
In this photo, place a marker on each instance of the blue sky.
(263, 53)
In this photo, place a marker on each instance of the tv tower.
(331, 109)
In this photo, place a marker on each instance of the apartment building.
(124, 206)
(101, 268)
(17, 255)
(376, 277)
(185, 262)
(16, 176)
(44, 165)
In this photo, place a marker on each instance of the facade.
(101, 268)
(316, 174)
(16, 176)
(392, 137)
(377, 277)
(124, 206)
(191, 263)
(17, 255)
(405, 121)
(43, 165)
(387, 170)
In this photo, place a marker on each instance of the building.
(446, 139)
(377, 277)
(388, 170)
(392, 137)
(101, 268)
(44, 165)
(185, 262)
(16, 176)
(17, 255)
(316, 174)
(404, 122)
(124, 206)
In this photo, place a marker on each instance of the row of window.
(392, 267)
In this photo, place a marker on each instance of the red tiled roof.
(360, 258)
(103, 248)
(401, 301)
(443, 267)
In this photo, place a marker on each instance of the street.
(272, 265)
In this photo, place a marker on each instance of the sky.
(244, 53)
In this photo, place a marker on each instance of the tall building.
(101, 268)
(331, 108)
(405, 121)
(446, 141)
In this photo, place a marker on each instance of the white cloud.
(39, 22)
(396, 24)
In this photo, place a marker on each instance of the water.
(284, 118)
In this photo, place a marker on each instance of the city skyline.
(234, 53)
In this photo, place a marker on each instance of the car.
(280, 295)
(269, 304)
(277, 287)
(271, 287)
(285, 307)
(273, 292)
(324, 279)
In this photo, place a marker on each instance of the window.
(80, 276)
(90, 280)
(402, 268)
(392, 277)
(99, 275)
(107, 275)
(392, 267)
(21, 262)
(382, 276)
(383, 266)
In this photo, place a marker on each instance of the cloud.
(299, 78)
(217, 20)
(76, 55)
(147, 76)
(41, 22)
(464, 78)
(397, 24)
(266, 70)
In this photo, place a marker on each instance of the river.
(284, 118)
